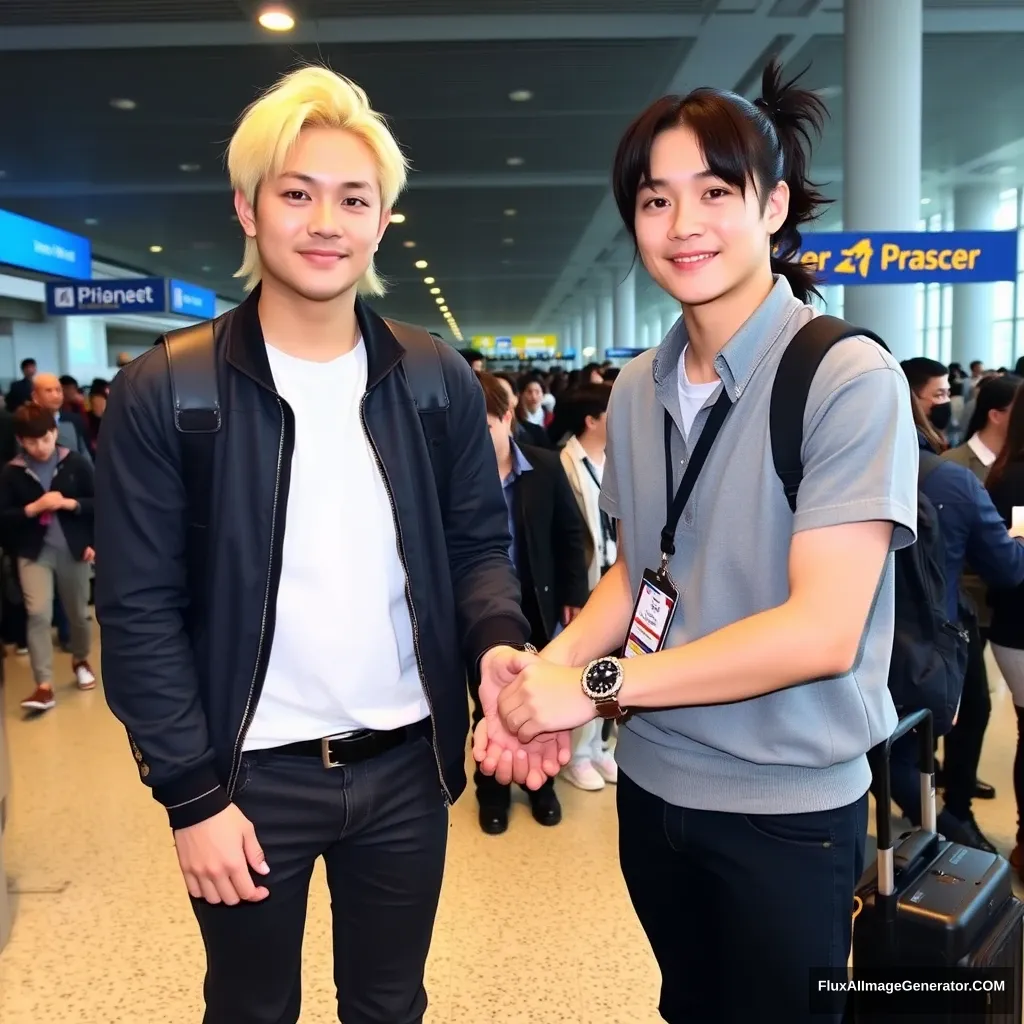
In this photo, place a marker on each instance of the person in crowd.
(531, 401)
(549, 551)
(972, 533)
(592, 374)
(98, 392)
(21, 390)
(977, 371)
(46, 523)
(611, 375)
(124, 359)
(48, 393)
(292, 668)
(475, 359)
(985, 437)
(74, 400)
(523, 432)
(1006, 486)
(583, 459)
(742, 762)
(929, 380)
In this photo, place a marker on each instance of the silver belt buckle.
(325, 749)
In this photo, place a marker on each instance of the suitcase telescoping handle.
(878, 758)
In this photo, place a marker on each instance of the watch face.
(603, 678)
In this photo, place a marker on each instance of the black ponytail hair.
(763, 142)
(994, 393)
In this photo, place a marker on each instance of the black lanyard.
(675, 505)
(607, 527)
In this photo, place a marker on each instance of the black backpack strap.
(422, 366)
(192, 368)
(793, 378)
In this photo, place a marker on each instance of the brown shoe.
(84, 675)
(41, 700)
(1017, 860)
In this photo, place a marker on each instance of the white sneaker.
(84, 676)
(582, 775)
(606, 767)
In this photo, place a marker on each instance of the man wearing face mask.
(929, 380)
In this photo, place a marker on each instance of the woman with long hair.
(1006, 486)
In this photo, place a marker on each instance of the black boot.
(964, 832)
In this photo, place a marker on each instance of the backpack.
(191, 361)
(929, 654)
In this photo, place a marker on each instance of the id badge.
(652, 615)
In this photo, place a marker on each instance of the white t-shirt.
(342, 657)
(692, 397)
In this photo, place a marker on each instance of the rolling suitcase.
(929, 906)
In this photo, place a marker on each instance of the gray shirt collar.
(743, 352)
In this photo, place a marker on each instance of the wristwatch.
(602, 681)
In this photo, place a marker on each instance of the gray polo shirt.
(801, 748)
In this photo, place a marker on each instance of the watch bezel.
(613, 693)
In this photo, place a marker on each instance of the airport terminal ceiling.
(116, 115)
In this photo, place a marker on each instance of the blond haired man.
(291, 670)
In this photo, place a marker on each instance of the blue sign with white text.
(191, 300)
(911, 257)
(36, 246)
(120, 295)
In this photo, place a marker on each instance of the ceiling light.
(92, 221)
(3, 174)
(435, 291)
(188, 168)
(123, 104)
(398, 218)
(156, 248)
(510, 212)
(1004, 169)
(515, 161)
(829, 92)
(440, 300)
(422, 264)
(409, 244)
(276, 18)
(206, 270)
(520, 95)
(508, 241)
(444, 309)
(429, 280)
(925, 202)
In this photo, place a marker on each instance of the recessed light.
(520, 95)
(276, 18)
(156, 248)
(515, 161)
(3, 174)
(829, 92)
(444, 309)
(1004, 169)
(508, 241)
(188, 168)
(398, 218)
(206, 270)
(409, 244)
(925, 202)
(510, 212)
(421, 264)
(123, 104)
(92, 221)
(429, 280)
(440, 300)
(435, 291)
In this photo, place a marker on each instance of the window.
(1007, 297)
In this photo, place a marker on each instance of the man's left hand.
(545, 698)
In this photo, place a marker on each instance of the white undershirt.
(342, 656)
(692, 397)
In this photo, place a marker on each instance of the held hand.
(545, 698)
(497, 751)
(89, 555)
(569, 614)
(215, 857)
(69, 505)
(49, 502)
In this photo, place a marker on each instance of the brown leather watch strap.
(610, 710)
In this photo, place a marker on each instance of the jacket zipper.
(408, 597)
(249, 709)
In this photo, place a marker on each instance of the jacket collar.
(246, 348)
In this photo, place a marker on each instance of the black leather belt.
(352, 747)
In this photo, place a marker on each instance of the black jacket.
(551, 541)
(1007, 606)
(183, 670)
(22, 535)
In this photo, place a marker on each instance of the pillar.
(606, 321)
(974, 209)
(669, 316)
(577, 332)
(82, 347)
(625, 311)
(882, 114)
(643, 339)
(590, 324)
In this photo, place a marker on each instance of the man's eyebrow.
(310, 179)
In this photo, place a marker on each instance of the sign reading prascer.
(909, 257)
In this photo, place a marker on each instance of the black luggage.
(935, 911)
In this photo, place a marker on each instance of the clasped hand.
(530, 706)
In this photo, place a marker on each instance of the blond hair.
(311, 97)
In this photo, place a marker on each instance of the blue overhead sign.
(911, 257)
(42, 247)
(129, 295)
(191, 300)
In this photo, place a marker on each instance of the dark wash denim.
(739, 907)
(382, 827)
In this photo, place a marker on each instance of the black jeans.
(738, 907)
(961, 753)
(381, 826)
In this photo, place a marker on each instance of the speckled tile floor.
(104, 933)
